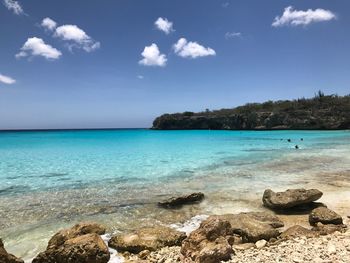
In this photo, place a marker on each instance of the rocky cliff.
(321, 112)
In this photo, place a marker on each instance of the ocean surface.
(53, 179)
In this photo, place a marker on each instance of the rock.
(243, 246)
(209, 243)
(329, 228)
(79, 229)
(290, 198)
(150, 239)
(331, 249)
(144, 254)
(253, 226)
(261, 243)
(88, 248)
(215, 252)
(324, 216)
(298, 231)
(6, 257)
(182, 200)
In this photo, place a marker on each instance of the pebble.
(334, 248)
(261, 243)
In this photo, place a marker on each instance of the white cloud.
(152, 56)
(140, 77)
(6, 80)
(37, 47)
(48, 24)
(164, 25)
(14, 6)
(298, 17)
(186, 49)
(229, 35)
(76, 37)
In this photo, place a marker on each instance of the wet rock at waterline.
(147, 239)
(290, 198)
(182, 200)
(6, 257)
(209, 243)
(80, 244)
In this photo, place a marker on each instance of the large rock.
(79, 244)
(253, 226)
(6, 257)
(290, 198)
(324, 216)
(147, 239)
(298, 231)
(182, 200)
(209, 243)
(78, 230)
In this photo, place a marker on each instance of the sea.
(50, 180)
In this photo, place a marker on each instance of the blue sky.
(84, 66)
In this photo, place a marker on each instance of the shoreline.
(330, 198)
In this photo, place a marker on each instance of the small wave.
(190, 225)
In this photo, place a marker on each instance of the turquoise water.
(52, 179)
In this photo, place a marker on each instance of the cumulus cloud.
(294, 17)
(48, 24)
(76, 37)
(186, 49)
(164, 25)
(37, 47)
(6, 80)
(152, 56)
(229, 35)
(14, 6)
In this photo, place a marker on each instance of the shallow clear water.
(54, 179)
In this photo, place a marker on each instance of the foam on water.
(50, 180)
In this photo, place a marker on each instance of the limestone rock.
(290, 198)
(182, 200)
(324, 216)
(88, 248)
(6, 257)
(209, 243)
(260, 244)
(298, 231)
(254, 226)
(79, 229)
(147, 239)
(329, 228)
(80, 244)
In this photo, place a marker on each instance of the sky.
(120, 64)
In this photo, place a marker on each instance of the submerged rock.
(324, 216)
(6, 257)
(298, 231)
(254, 226)
(290, 198)
(79, 244)
(182, 200)
(147, 239)
(209, 243)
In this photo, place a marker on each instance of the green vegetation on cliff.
(321, 112)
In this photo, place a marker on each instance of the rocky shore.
(243, 237)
